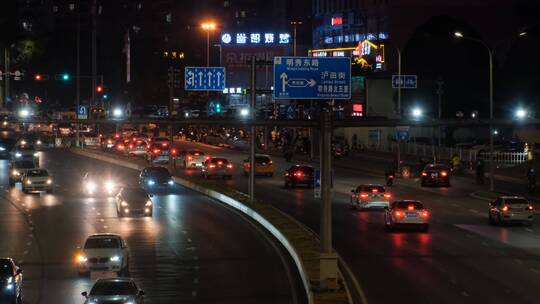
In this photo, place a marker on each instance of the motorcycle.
(390, 180)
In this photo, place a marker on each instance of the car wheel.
(490, 219)
(500, 221)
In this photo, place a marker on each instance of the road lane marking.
(196, 281)
(518, 261)
(29, 244)
(485, 244)
(473, 211)
(193, 293)
(453, 281)
(464, 293)
(534, 270)
(189, 240)
(529, 229)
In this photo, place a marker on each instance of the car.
(159, 153)
(161, 140)
(133, 201)
(129, 131)
(370, 196)
(103, 252)
(18, 168)
(36, 180)
(263, 165)
(507, 209)
(435, 175)
(299, 174)
(192, 159)
(217, 166)
(406, 213)
(65, 129)
(11, 280)
(153, 177)
(25, 152)
(95, 183)
(114, 290)
(136, 148)
(6, 146)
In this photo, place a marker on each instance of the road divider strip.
(300, 242)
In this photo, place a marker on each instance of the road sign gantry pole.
(253, 114)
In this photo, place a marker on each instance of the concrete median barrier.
(301, 243)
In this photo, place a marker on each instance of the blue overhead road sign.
(204, 79)
(83, 112)
(407, 81)
(312, 78)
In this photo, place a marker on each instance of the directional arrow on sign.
(190, 78)
(283, 78)
(200, 77)
(301, 83)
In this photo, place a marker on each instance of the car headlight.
(115, 258)
(36, 154)
(10, 280)
(151, 182)
(148, 203)
(90, 186)
(38, 142)
(15, 173)
(2, 149)
(81, 258)
(9, 286)
(109, 185)
(171, 182)
(49, 181)
(18, 154)
(124, 204)
(28, 182)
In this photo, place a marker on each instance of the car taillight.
(173, 151)
(374, 190)
(530, 207)
(504, 208)
(229, 166)
(298, 173)
(286, 174)
(164, 144)
(131, 146)
(410, 207)
(443, 173)
(364, 195)
(220, 163)
(211, 166)
(387, 195)
(424, 174)
(147, 146)
(424, 214)
(398, 213)
(116, 135)
(109, 141)
(120, 147)
(189, 158)
(207, 158)
(156, 151)
(269, 162)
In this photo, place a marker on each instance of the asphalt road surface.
(193, 250)
(461, 260)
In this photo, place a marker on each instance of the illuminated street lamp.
(118, 112)
(24, 113)
(521, 113)
(208, 27)
(417, 113)
(244, 112)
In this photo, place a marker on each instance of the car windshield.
(110, 288)
(406, 204)
(219, 161)
(373, 188)
(158, 172)
(24, 165)
(102, 242)
(5, 269)
(262, 159)
(516, 201)
(134, 193)
(37, 173)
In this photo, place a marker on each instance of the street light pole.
(491, 164)
(208, 48)
(294, 24)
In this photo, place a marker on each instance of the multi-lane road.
(461, 260)
(194, 250)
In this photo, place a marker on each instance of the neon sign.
(256, 38)
(337, 21)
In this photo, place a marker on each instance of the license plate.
(411, 214)
(433, 175)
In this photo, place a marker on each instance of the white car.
(192, 159)
(116, 290)
(406, 213)
(103, 252)
(98, 184)
(137, 148)
(370, 196)
(507, 209)
(36, 180)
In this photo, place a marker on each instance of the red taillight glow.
(410, 207)
(424, 214)
(530, 207)
(270, 162)
(229, 166)
(156, 151)
(504, 208)
(220, 163)
(387, 195)
(130, 146)
(444, 173)
(109, 141)
(298, 173)
(121, 147)
(374, 190)
(424, 174)
(164, 144)
(363, 195)
(207, 158)
(116, 135)
(398, 213)
(173, 151)
(286, 173)
(189, 158)
(211, 166)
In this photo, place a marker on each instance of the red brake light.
(410, 207)
(190, 158)
(424, 213)
(120, 147)
(298, 173)
(443, 173)
(375, 190)
(116, 135)
(212, 166)
(164, 144)
(196, 154)
(504, 208)
(270, 162)
(424, 174)
(398, 213)
(131, 146)
(229, 166)
(156, 151)
(364, 195)
(207, 158)
(109, 141)
(220, 163)
(173, 151)
(387, 195)
(530, 207)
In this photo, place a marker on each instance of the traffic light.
(218, 107)
(99, 89)
(38, 77)
(105, 96)
(65, 77)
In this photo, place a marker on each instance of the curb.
(352, 287)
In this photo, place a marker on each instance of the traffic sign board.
(312, 78)
(407, 81)
(83, 112)
(204, 79)
(402, 133)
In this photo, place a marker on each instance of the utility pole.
(253, 115)
(295, 24)
(7, 63)
(78, 76)
(398, 165)
(440, 92)
(328, 258)
(94, 51)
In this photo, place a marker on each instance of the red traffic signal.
(99, 89)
